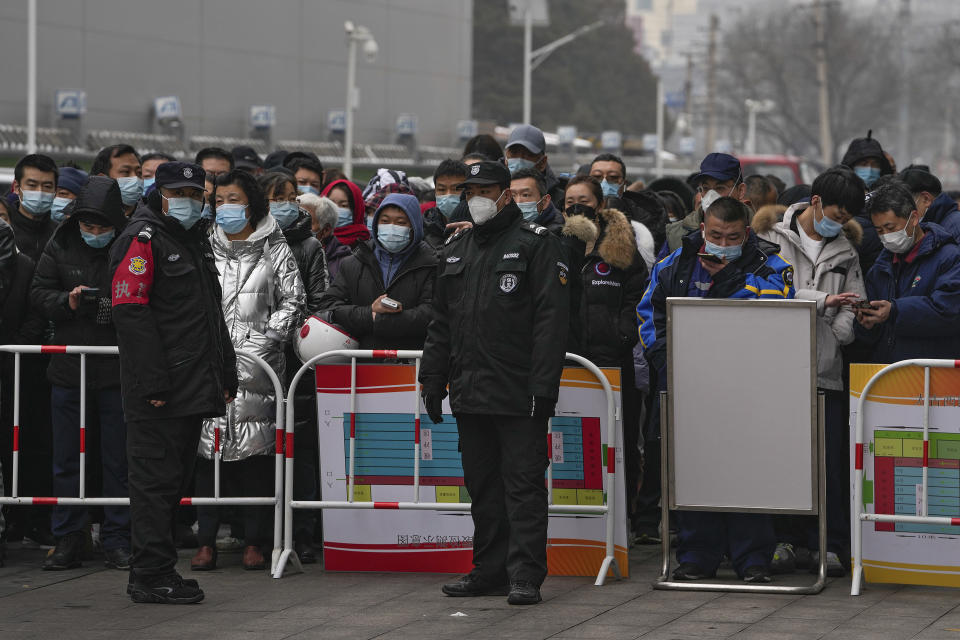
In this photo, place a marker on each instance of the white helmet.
(316, 337)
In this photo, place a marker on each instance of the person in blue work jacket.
(745, 267)
(914, 287)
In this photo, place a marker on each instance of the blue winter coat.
(925, 315)
(943, 211)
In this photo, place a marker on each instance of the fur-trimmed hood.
(768, 216)
(618, 245)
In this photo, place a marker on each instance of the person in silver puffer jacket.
(263, 303)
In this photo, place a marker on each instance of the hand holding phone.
(709, 257)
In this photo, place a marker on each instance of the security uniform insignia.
(562, 273)
(138, 265)
(788, 276)
(509, 282)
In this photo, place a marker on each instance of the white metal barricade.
(608, 509)
(276, 500)
(860, 513)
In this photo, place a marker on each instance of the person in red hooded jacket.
(351, 223)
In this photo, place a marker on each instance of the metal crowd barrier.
(860, 513)
(83, 500)
(288, 555)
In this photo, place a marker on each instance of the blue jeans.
(747, 538)
(65, 410)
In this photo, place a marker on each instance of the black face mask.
(578, 209)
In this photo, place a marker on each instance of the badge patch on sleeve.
(133, 278)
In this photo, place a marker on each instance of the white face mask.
(482, 209)
(708, 199)
(899, 241)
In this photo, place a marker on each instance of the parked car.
(791, 169)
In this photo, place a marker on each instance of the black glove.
(433, 402)
(541, 407)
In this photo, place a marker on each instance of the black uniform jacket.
(501, 311)
(174, 345)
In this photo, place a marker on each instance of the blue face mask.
(306, 188)
(232, 218)
(344, 216)
(448, 203)
(37, 202)
(869, 175)
(131, 188)
(147, 183)
(56, 209)
(393, 237)
(515, 164)
(730, 253)
(285, 213)
(370, 224)
(98, 241)
(206, 213)
(186, 211)
(826, 227)
(529, 210)
(610, 189)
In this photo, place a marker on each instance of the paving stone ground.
(90, 603)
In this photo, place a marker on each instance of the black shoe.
(305, 552)
(67, 553)
(757, 574)
(116, 558)
(189, 582)
(469, 586)
(523, 592)
(165, 589)
(690, 571)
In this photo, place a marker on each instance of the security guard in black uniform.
(177, 367)
(501, 312)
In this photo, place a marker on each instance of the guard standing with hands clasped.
(501, 311)
(177, 367)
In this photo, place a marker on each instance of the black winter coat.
(360, 282)
(613, 278)
(311, 260)
(501, 311)
(8, 261)
(174, 345)
(67, 262)
(32, 234)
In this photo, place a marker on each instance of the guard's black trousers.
(504, 462)
(160, 458)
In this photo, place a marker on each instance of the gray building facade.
(222, 56)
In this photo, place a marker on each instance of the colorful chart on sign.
(385, 447)
(384, 425)
(897, 478)
(909, 553)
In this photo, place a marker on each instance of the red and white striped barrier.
(288, 555)
(860, 513)
(276, 500)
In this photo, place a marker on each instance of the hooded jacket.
(759, 272)
(67, 262)
(263, 303)
(943, 211)
(924, 317)
(613, 277)
(836, 270)
(862, 148)
(364, 277)
(350, 234)
(311, 260)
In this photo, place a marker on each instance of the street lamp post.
(32, 76)
(753, 108)
(356, 34)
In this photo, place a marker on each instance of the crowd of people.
(131, 252)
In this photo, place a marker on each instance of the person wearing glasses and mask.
(720, 175)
